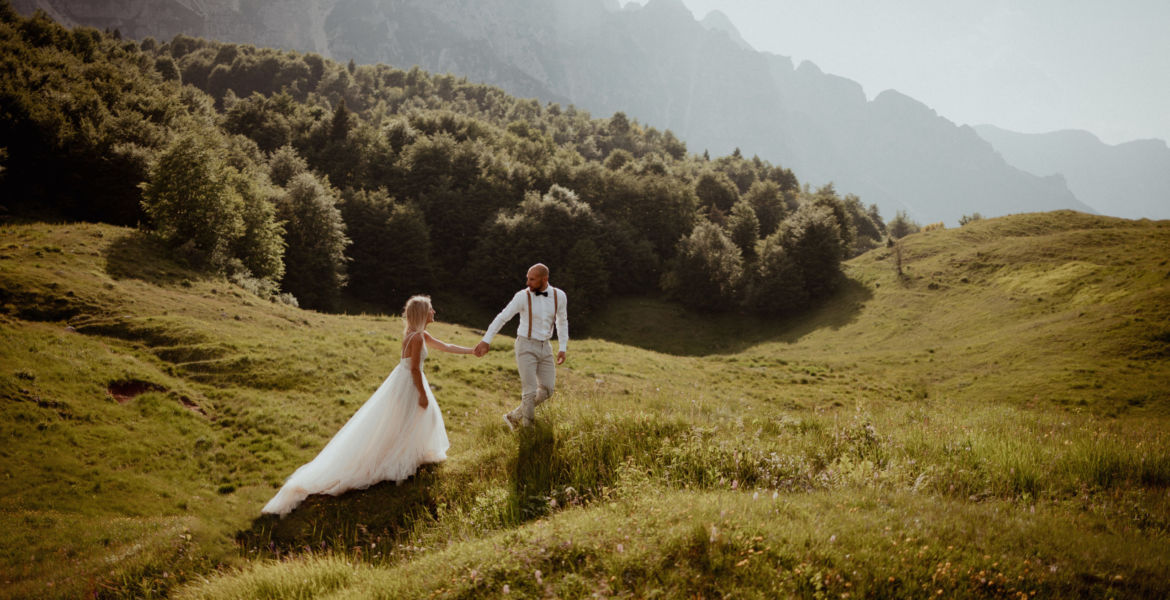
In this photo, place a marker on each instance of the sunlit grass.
(1007, 398)
(749, 544)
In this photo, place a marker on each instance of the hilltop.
(991, 421)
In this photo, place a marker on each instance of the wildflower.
(539, 578)
(507, 590)
(755, 496)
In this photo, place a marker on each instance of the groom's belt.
(532, 339)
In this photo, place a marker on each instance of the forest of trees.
(318, 180)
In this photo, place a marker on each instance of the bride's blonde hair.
(415, 313)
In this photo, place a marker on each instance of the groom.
(540, 307)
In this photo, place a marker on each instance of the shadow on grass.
(139, 255)
(666, 327)
(382, 514)
(532, 473)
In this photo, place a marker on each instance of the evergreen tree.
(165, 65)
(315, 258)
(285, 164)
(744, 229)
(390, 258)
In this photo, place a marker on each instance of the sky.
(1031, 66)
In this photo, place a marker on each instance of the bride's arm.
(414, 351)
(435, 343)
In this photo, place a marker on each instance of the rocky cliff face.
(288, 24)
(656, 63)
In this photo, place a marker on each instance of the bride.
(396, 430)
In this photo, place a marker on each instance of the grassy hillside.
(991, 423)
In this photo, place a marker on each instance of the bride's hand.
(422, 400)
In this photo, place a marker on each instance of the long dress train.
(387, 439)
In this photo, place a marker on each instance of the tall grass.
(994, 405)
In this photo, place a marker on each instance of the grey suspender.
(556, 309)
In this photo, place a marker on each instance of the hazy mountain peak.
(1130, 179)
(897, 100)
(809, 67)
(717, 21)
(671, 6)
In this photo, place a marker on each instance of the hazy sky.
(1025, 65)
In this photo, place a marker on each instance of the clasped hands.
(482, 349)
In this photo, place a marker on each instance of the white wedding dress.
(387, 439)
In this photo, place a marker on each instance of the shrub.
(901, 225)
(706, 270)
(261, 247)
(192, 202)
(767, 199)
(777, 283)
(715, 189)
(812, 238)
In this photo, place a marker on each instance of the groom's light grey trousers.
(538, 376)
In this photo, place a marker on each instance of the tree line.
(301, 177)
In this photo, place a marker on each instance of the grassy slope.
(1017, 376)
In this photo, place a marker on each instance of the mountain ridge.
(656, 63)
(1130, 179)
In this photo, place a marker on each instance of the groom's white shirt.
(543, 308)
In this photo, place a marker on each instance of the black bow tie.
(545, 294)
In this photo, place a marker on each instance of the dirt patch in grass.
(126, 390)
(190, 405)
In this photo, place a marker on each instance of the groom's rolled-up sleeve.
(511, 310)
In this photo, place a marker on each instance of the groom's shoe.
(511, 421)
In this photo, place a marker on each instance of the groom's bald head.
(537, 277)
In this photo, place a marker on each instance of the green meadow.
(993, 421)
